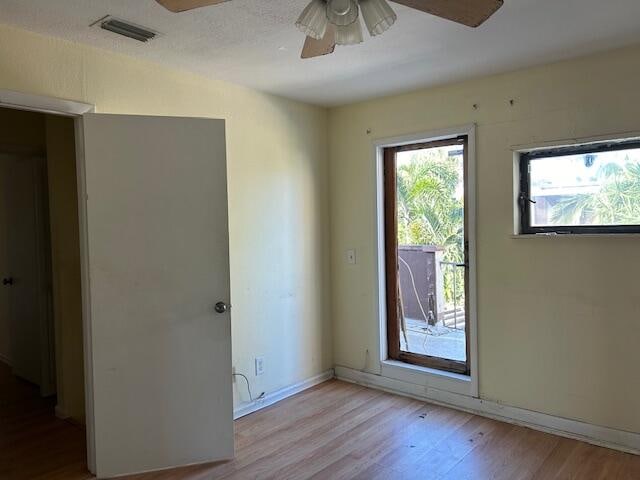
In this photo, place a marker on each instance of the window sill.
(575, 235)
(428, 377)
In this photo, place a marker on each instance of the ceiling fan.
(328, 23)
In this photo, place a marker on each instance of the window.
(591, 188)
(427, 265)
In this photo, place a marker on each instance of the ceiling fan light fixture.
(321, 18)
(378, 16)
(349, 34)
(313, 19)
(342, 12)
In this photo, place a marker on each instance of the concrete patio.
(438, 341)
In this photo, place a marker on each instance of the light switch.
(351, 256)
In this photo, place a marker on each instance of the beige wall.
(278, 202)
(559, 319)
(65, 265)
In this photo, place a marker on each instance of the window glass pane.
(599, 188)
(431, 268)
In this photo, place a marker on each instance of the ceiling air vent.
(127, 29)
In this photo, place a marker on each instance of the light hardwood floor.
(335, 430)
(34, 444)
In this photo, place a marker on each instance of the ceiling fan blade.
(184, 5)
(315, 48)
(471, 13)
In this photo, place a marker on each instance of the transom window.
(591, 188)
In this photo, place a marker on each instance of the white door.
(26, 275)
(158, 265)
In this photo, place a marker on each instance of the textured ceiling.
(254, 42)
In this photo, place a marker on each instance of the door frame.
(74, 109)
(466, 385)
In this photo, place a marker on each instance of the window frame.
(391, 259)
(523, 199)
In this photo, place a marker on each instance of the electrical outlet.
(259, 365)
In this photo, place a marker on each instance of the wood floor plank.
(311, 430)
(333, 431)
(446, 452)
(367, 451)
(321, 400)
(374, 432)
(34, 444)
(631, 470)
(278, 465)
(514, 456)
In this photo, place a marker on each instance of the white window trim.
(442, 380)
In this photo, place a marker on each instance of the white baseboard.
(60, 413)
(594, 434)
(271, 398)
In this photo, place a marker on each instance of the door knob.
(7, 281)
(221, 307)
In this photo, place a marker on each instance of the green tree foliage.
(617, 201)
(431, 212)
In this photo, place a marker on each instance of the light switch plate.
(351, 256)
(259, 366)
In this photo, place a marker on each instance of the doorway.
(426, 197)
(41, 353)
(142, 183)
